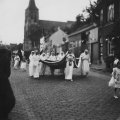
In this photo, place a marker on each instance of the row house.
(86, 37)
(57, 41)
(109, 14)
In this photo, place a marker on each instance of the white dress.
(69, 66)
(23, 65)
(16, 61)
(115, 78)
(84, 62)
(31, 65)
(36, 67)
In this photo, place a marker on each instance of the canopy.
(58, 64)
(55, 64)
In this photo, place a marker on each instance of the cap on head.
(86, 50)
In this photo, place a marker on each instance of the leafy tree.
(80, 20)
(93, 12)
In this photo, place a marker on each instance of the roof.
(46, 24)
(83, 28)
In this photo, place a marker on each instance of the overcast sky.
(12, 15)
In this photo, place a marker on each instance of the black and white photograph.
(60, 60)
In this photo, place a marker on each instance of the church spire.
(32, 5)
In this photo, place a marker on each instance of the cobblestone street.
(53, 98)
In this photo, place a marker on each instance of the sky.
(12, 15)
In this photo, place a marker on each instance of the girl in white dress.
(115, 80)
(69, 66)
(16, 61)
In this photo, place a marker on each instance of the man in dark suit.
(7, 98)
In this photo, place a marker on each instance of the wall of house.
(93, 45)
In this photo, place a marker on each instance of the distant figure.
(52, 57)
(7, 98)
(43, 57)
(20, 56)
(23, 64)
(31, 64)
(84, 61)
(115, 62)
(69, 65)
(60, 56)
(16, 61)
(36, 66)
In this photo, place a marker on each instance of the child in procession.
(115, 79)
(23, 64)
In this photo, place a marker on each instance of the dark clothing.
(7, 99)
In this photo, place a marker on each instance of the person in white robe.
(36, 67)
(69, 66)
(84, 62)
(42, 65)
(23, 64)
(31, 64)
(52, 57)
(16, 61)
(60, 56)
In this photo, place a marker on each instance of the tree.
(80, 20)
(93, 12)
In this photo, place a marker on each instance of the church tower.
(31, 22)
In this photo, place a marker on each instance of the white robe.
(16, 61)
(31, 65)
(23, 65)
(69, 67)
(83, 64)
(36, 66)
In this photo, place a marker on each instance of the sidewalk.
(100, 69)
(97, 67)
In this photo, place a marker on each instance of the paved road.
(53, 98)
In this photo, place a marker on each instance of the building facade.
(86, 37)
(109, 15)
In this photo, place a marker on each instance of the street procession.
(64, 61)
(60, 60)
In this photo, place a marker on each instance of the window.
(101, 16)
(110, 48)
(110, 15)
